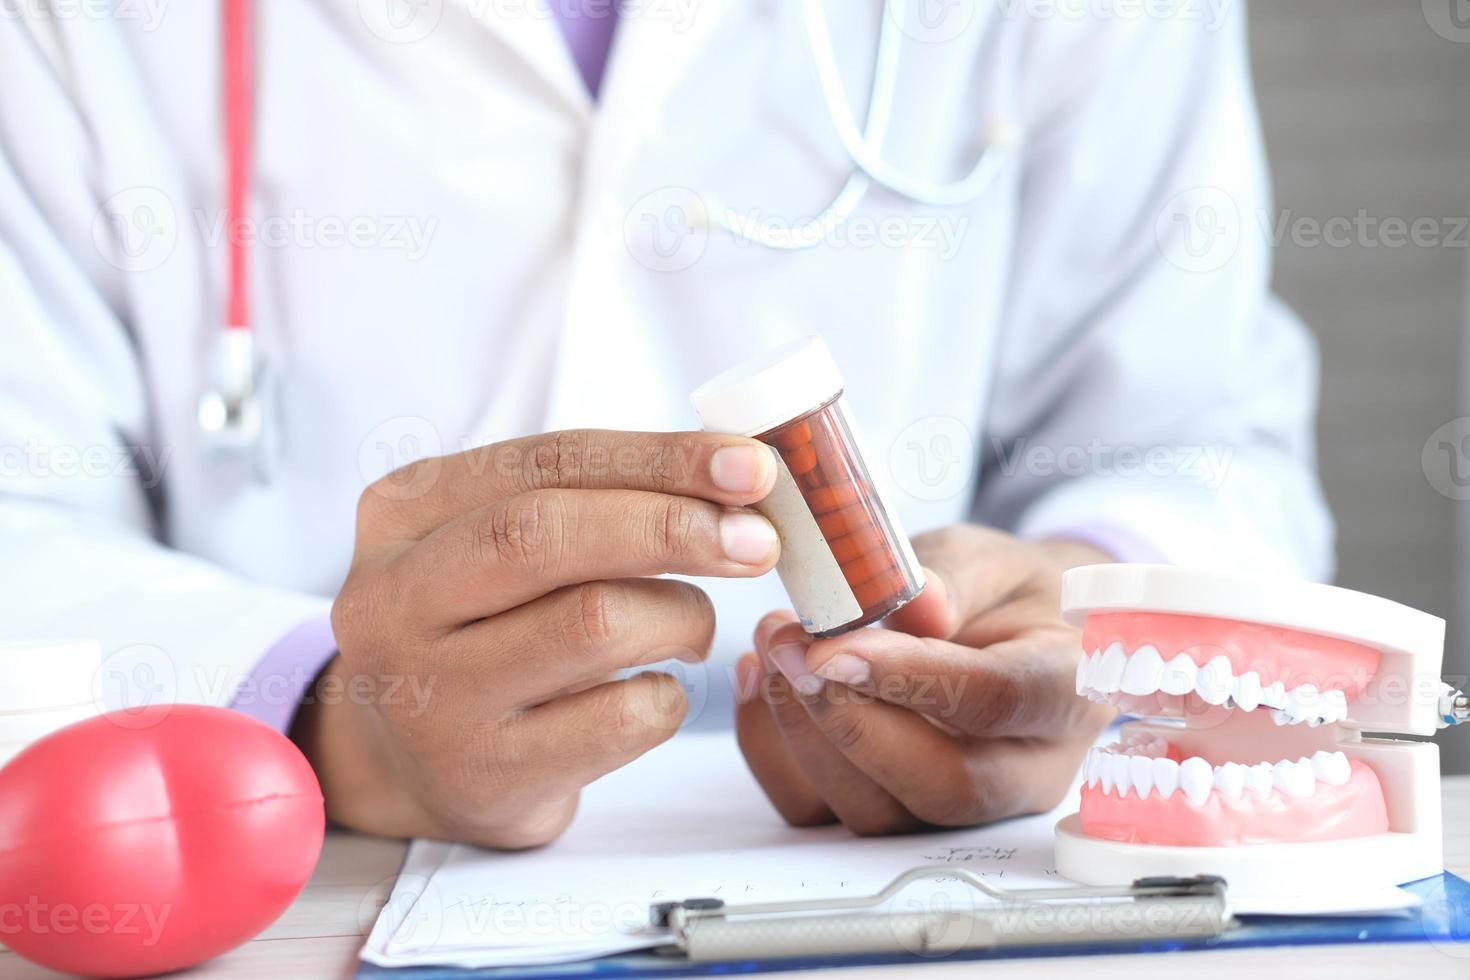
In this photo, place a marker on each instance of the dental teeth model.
(1252, 763)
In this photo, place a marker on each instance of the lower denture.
(1326, 811)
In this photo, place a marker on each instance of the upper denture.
(1135, 659)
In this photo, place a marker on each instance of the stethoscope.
(235, 414)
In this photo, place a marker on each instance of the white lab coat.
(502, 278)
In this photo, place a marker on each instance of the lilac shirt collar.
(588, 28)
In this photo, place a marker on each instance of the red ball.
(147, 841)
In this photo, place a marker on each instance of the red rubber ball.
(147, 841)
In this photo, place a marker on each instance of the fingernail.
(747, 538)
(844, 668)
(790, 660)
(741, 469)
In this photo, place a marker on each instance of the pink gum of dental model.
(1289, 656)
(1354, 809)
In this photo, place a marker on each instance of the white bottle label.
(811, 575)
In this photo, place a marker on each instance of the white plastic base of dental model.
(1413, 848)
(1253, 869)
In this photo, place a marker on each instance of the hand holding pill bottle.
(845, 562)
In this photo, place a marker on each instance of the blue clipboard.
(1444, 917)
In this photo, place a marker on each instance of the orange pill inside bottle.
(845, 562)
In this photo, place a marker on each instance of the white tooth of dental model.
(1178, 675)
(1110, 670)
(1248, 691)
(1196, 780)
(1141, 676)
(1230, 779)
(1214, 681)
(1141, 775)
(1266, 689)
(1166, 777)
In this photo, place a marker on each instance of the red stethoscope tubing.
(239, 97)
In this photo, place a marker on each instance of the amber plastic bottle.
(844, 560)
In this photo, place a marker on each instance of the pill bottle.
(844, 561)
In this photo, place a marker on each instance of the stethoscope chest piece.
(237, 414)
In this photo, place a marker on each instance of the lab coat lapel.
(530, 29)
(657, 45)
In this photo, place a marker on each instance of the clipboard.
(1443, 917)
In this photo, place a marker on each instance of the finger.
(565, 744)
(512, 551)
(861, 804)
(940, 779)
(577, 635)
(414, 500)
(927, 614)
(1021, 687)
(765, 751)
(768, 624)
(968, 571)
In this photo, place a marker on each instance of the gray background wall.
(1366, 107)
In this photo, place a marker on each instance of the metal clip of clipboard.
(708, 930)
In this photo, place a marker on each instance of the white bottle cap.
(44, 676)
(764, 392)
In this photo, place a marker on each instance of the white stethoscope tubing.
(864, 148)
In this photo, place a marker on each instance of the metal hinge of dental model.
(1454, 707)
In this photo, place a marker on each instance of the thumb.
(929, 613)
(968, 570)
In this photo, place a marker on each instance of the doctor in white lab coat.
(455, 242)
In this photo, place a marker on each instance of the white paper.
(688, 820)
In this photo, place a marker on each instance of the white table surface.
(320, 934)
